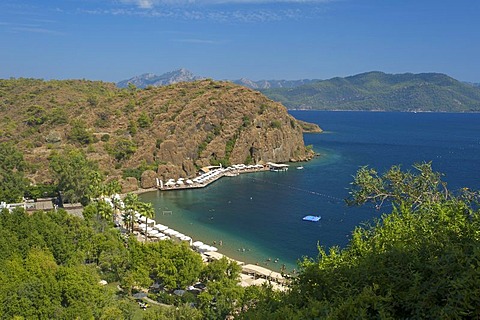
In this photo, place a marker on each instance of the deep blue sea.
(259, 216)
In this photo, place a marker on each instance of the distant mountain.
(272, 84)
(183, 75)
(381, 91)
(150, 79)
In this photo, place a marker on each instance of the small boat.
(300, 168)
(312, 218)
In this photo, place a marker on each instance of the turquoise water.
(258, 216)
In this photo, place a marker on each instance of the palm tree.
(146, 209)
(131, 206)
(104, 210)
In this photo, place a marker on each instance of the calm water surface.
(259, 216)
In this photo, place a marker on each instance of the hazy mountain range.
(184, 75)
(434, 92)
(366, 91)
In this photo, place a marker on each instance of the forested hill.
(380, 91)
(172, 130)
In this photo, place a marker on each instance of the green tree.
(401, 187)
(146, 210)
(73, 173)
(80, 134)
(132, 204)
(144, 120)
(13, 183)
(414, 263)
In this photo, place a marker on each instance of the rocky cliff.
(172, 130)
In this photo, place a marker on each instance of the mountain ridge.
(379, 91)
(367, 91)
(183, 75)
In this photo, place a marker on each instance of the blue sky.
(113, 40)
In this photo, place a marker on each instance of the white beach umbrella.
(189, 181)
(186, 238)
(153, 231)
(160, 227)
(142, 226)
(179, 235)
(197, 244)
(204, 248)
(213, 249)
(158, 235)
(151, 222)
(170, 232)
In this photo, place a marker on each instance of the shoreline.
(251, 274)
(255, 271)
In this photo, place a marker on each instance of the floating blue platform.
(312, 218)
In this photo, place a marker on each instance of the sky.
(113, 40)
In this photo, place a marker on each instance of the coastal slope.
(432, 92)
(168, 131)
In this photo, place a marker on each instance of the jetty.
(211, 174)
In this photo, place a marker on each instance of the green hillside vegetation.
(127, 131)
(420, 261)
(379, 91)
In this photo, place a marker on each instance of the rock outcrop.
(174, 130)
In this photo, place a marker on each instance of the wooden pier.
(200, 182)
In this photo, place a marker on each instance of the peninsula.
(139, 135)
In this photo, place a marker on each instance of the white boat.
(300, 168)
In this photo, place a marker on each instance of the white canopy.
(185, 238)
(160, 227)
(204, 247)
(171, 232)
(197, 244)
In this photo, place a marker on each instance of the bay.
(258, 216)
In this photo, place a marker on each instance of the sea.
(257, 217)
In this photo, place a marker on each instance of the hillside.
(173, 130)
(380, 91)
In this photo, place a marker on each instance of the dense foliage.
(418, 262)
(52, 263)
(380, 91)
(13, 183)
